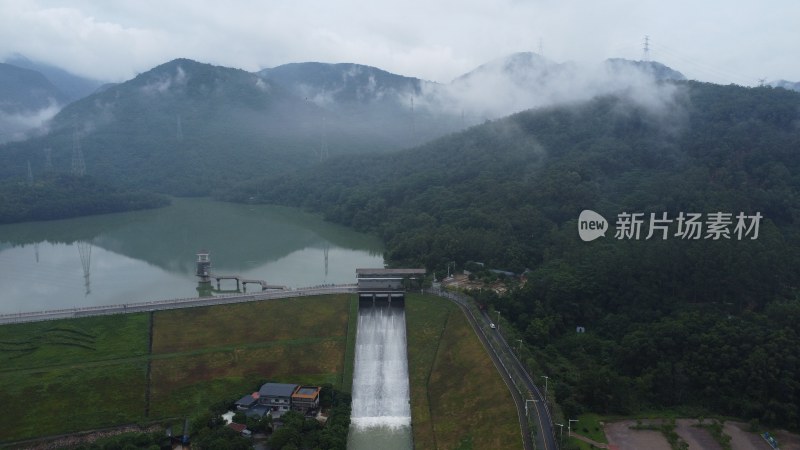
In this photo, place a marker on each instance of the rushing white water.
(380, 409)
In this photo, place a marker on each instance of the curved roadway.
(511, 370)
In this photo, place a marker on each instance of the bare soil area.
(621, 436)
(698, 438)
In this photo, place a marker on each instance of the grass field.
(71, 374)
(80, 374)
(458, 399)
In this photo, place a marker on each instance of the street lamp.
(519, 348)
(526, 405)
(545, 386)
(569, 427)
(498, 320)
(561, 435)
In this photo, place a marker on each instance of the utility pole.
(526, 405)
(545, 386)
(569, 427)
(561, 435)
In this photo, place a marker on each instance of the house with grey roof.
(276, 396)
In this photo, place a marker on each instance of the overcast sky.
(731, 41)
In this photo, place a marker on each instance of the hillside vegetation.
(60, 196)
(698, 323)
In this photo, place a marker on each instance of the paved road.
(159, 305)
(512, 371)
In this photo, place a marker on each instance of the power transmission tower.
(325, 252)
(48, 160)
(761, 82)
(78, 165)
(646, 48)
(30, 174)
(541, 48)
(180, 129)
(323, 144)
(413, 123)
(85, 251)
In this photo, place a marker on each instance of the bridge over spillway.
(387, 285)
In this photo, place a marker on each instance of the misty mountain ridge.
(342, 84)
(790, 85)
(27, 101)
(72, 86)
(189, 128)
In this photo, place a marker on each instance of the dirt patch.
(698, 438)
(787, 441)
(742, 439)
(622, 437)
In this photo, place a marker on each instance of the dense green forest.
(59, 196)
(697, 323)
(188, 129)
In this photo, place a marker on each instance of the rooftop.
(277, 390)
(247, 400)
(384, 272)
(306, 392)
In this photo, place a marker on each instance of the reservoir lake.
(150, 255)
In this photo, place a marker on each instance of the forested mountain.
(60, 196)
(26, 90)
(182, 127)
(791, 85)
(72, 86)
(27, 99)
(702, 323)
(375, 105)
(188, 128)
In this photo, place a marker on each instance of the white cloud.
(715, 40)
(18, 126)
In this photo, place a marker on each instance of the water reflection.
(149, 255)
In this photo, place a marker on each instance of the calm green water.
(150, 255)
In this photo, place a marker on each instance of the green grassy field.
(72, 375)
(80, 374)
(458, 399)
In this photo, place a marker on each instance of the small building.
(240, 428)
(306, 399)
(276, 396)
(247, 402)
(387, 284)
